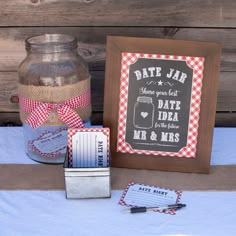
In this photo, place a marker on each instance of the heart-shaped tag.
(144, 114)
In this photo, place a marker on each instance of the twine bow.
(40, 111)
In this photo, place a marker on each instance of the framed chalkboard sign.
(160, 102)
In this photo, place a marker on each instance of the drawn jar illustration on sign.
(54, 94)
(143, 113)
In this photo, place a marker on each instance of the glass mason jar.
(54, 94)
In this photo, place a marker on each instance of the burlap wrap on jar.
(55, 95)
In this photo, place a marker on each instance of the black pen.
(161, 208)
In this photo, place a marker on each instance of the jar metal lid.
(48, 43)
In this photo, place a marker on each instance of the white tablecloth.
(12, 146)
(30, 213)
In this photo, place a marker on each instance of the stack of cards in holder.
(87, 163)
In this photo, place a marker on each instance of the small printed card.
(88, 147)
(140, 195)
(50, 143)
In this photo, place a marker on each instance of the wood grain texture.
(223, 119)
(189, 13)
(92, 42)
(226, 101)
(92, 20)
(131, 159)
(10, 119)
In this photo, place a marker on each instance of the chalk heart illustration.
(144, 114)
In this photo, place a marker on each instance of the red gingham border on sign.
(73, 131)
(197, 64)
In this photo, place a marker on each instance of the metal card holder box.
(87, 182)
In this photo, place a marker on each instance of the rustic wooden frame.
(211, 52)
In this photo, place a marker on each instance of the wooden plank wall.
(92, 20)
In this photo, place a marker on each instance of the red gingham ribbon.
(39, 111)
